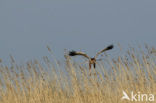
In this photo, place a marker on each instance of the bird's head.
(93, 60)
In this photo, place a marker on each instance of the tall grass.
(52, 82)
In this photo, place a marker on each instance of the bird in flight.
(92, 61)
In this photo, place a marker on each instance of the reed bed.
(70, 82)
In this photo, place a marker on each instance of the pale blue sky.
(27, 26)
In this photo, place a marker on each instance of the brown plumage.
(92, 61)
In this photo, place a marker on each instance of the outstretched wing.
(107, 48)
(74, 53)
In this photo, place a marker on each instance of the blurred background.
(28, 26)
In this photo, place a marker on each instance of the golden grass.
(50, 82)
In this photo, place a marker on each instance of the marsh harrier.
(92, 61)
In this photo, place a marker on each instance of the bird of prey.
(92, 61)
